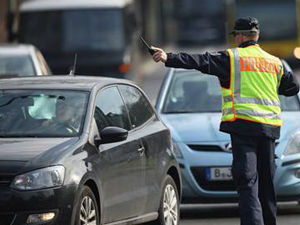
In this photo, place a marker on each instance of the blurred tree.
(3, 18)
(9, 13)
(151, 20)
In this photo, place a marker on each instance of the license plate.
(218, 173)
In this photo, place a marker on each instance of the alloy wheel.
(88, 212)
(170, 204)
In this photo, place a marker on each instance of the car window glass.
(95, 26)
(103, 24)
(110, 110)
(290, 103)
(138, 106)
(42, 113)
(192, 92)
(20, 65)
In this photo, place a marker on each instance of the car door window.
(139, 107)
(110, 110)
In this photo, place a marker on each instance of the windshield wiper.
(174, 112)
(18, 136)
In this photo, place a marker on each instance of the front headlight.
(43, 178)
(176, 150)
(293, 146)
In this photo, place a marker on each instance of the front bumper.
(287, 178)
(16, 206)
(196, 188)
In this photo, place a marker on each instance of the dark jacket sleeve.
(216, 63)
(289, 84)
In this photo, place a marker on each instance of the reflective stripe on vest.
(254, 81)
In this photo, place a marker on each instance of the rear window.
(20, 65)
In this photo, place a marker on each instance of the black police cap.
(246, 25)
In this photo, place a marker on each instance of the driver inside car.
(64, 121)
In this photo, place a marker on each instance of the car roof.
(16, 49)
(38, 5)
(66, 82)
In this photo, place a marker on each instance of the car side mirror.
(111, 135)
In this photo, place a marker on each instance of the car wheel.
(87, 212)
(169, 212)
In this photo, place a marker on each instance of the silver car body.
(202, 149)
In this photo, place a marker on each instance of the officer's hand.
(159, 55)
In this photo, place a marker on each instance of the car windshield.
(193, 92)
(90, 29)
(189, 92)
(42, 113)
(20, 65)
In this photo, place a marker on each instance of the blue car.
(189, 103)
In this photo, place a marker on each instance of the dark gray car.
(84, 150)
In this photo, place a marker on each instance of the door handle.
(141, 150)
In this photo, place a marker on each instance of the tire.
(87, 212)
(169, 212)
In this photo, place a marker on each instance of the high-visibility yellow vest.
(254, 81)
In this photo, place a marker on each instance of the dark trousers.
(253, 169)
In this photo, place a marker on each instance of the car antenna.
(72, 71)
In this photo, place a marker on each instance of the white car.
(22, 60)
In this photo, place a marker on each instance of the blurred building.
(150, 11)
(279, 37)
(161, 21)
(3, 18)
(9, 12)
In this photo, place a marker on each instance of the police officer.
(251, 80)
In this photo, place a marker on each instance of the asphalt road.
(228, 214)
(151, 77)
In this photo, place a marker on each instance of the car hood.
(195, 127)
(27, 149)
(204, 127)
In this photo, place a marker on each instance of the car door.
(121, 163)
(150, 130)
